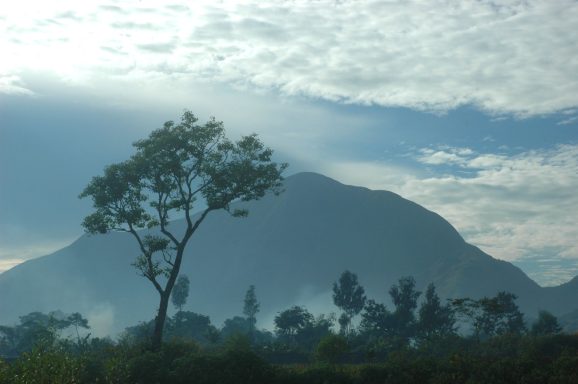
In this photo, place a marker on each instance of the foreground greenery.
(502, 359)
(463, 341)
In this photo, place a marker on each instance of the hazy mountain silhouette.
(292, 247)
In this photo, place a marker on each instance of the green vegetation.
(348, 296)
(416, 342)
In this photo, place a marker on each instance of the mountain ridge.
(292, 247)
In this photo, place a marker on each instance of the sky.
(469, 108)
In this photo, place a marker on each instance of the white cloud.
(13, 85)
(506, 56)
(511, 206)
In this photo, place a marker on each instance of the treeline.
(418, 340)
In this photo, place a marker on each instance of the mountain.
(292, 247)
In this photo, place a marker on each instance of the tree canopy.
(184, 169)
(349, 296)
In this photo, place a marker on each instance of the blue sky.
(469, 108)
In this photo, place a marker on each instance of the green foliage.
(376, 320)
(46, 365)
(434, 319)
(289, 322)
(331, 348)
(175, 168)
(236, 325)
(508, 358)
(493, 316)
(190, 326)
(404, 297)
(180, 292)
(300, 330)
(39, 328)
(348, 296)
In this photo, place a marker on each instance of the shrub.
(331, 348)
(43, 365)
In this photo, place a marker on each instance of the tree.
(191, 326)
(236, 325)
(251, 308)
(376, 320)
(435, 319)
(404, 297)
(547, 324)
(76, 320)
(505, 311)
(178, 168)
(491, 316)
(289, 322)
(180, 292)
(348, 296)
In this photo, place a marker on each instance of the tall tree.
(77, 321)
(435, 319)
(349, 296)
(404, 297)
(178, 168)
(251, 308)
(180, 292)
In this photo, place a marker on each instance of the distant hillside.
(291, 247)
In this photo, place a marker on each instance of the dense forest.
(419, 340)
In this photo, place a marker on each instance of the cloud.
(512, 206)
(505, 57)
(569, 120)
(13, 85)
(6, 264)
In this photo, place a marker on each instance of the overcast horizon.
(469, 108)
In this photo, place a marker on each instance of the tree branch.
(148, 257)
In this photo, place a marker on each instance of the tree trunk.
(160, 319)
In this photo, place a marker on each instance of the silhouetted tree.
(77, 321)
(235, 325)
(435, 319)
(404, 297)
(500, 315)
(191, 326)
(38, 328)
(180, 292)
(492, 316)
(546, 324)
(251, 308)
(174, 168)
(313, 331)
(348, 296)
(289, 322)
(376, 320)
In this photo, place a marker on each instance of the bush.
(233, 367)
(331, 348)
(47, 366)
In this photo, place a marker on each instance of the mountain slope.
(292, 247)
